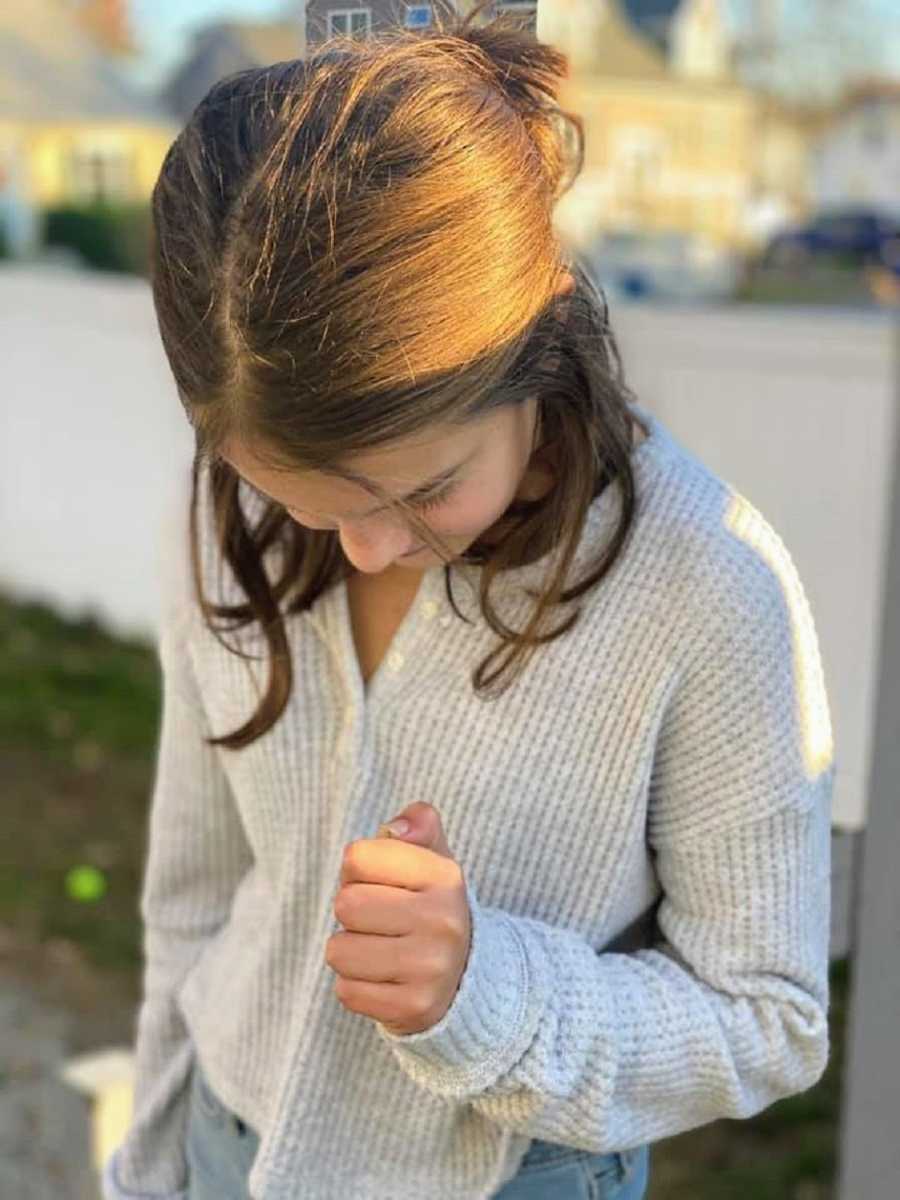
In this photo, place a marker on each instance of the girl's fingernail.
(400, 826)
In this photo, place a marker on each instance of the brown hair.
(353, 248)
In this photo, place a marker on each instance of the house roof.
(275, 41)
(805, 116)
(51, 70)
(873, 87)
(259, 43)
(221, 48)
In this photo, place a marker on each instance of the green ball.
(85, 883)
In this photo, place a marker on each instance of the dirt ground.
(52, 1006)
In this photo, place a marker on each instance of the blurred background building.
(857, 157)
(711, 124)
(73, 129)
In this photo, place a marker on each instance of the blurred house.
(72, 130)
(675, 141)
(856, 161)
(669, 130)
(221, 49)
(679, 140)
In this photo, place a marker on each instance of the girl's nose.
(372, 553)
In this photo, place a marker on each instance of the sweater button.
(395, 661)
(429, 609)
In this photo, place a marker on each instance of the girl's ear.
(567, 285)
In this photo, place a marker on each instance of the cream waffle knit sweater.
(643, 823)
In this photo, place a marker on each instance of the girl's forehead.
(402, 463)
(405, 472)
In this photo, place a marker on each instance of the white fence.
(796, 409)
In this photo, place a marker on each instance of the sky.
(163, 27)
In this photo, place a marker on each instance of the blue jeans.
(221, 1150)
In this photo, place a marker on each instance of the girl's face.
(460, 480)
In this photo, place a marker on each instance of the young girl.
(441, 565)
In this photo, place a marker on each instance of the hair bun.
(529, 74)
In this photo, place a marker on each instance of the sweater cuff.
(482, 1032)
(111, 1189)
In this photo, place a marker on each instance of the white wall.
(795, 408)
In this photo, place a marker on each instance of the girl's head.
(358, 284)
(460, 479)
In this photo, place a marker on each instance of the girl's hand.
(408, 928)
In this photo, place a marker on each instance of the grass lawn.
(827, 284)
(79, 713)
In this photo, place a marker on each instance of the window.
(637, 158)
(418, 16)
(101, 171)
(357, 22)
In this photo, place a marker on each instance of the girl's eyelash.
(424, 505)
(438, 498)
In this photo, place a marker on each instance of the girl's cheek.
(464, 517)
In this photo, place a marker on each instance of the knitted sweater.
(643, 825)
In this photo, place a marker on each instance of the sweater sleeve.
(197, 854)
(727, 1013)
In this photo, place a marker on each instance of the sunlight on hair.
(814, 718)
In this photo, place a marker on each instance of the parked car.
(662, 265)
(861, 237)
